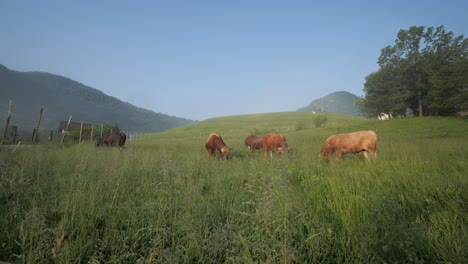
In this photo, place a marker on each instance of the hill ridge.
(340, 102)
(62, 96)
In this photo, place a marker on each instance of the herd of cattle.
(335, 145)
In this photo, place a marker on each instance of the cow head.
(98, 141)
(283, 151)
(321, 155)
(324, 152)
(225, 152)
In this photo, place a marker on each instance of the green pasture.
(161, 199)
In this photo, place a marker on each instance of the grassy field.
(163, 200)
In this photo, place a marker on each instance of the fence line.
(66, 128)
(35, 133)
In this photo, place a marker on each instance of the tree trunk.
(420, 105)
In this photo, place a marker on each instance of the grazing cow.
(215, 144)
(253, 142)
(275, 143)
(114, 139)
(362, 141)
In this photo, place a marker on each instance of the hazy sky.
(200, 59)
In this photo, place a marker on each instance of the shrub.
(320, 120)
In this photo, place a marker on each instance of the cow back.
(215, 140)
(253, 142)
(257, 143)
(275, 142)
(214, 144)
(354, 142)
(357, 141)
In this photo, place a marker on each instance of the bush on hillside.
(320, 120)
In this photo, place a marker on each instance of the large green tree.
(426, 70)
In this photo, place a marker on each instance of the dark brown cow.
(356, 142)
(275, 143)
(249, 139)
(215, 144)
(114, 139)
(253, 142)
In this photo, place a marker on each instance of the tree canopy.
(425, 71)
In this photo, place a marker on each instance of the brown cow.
(215, 144)
(114, 139)
(361, 141)
(253, 142)
(275, 143)
(249, 139)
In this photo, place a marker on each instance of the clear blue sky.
(201, 59)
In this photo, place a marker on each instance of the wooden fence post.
(81, 132)
(15, 133)
(66, 128)
(50, 135)
(92, 130)
(10, 109)
(37, 127)
(102, 128)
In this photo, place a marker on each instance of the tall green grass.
(163, 200)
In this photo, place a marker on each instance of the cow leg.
(370, 154)
(211, 153)
(337, 155)
(366, 154)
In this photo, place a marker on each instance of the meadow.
(161, 199)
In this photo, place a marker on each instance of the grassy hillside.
(61, 97)
(163, 200)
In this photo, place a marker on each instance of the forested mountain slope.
(61, 97)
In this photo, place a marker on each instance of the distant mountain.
(61, 97)
(338, 102)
